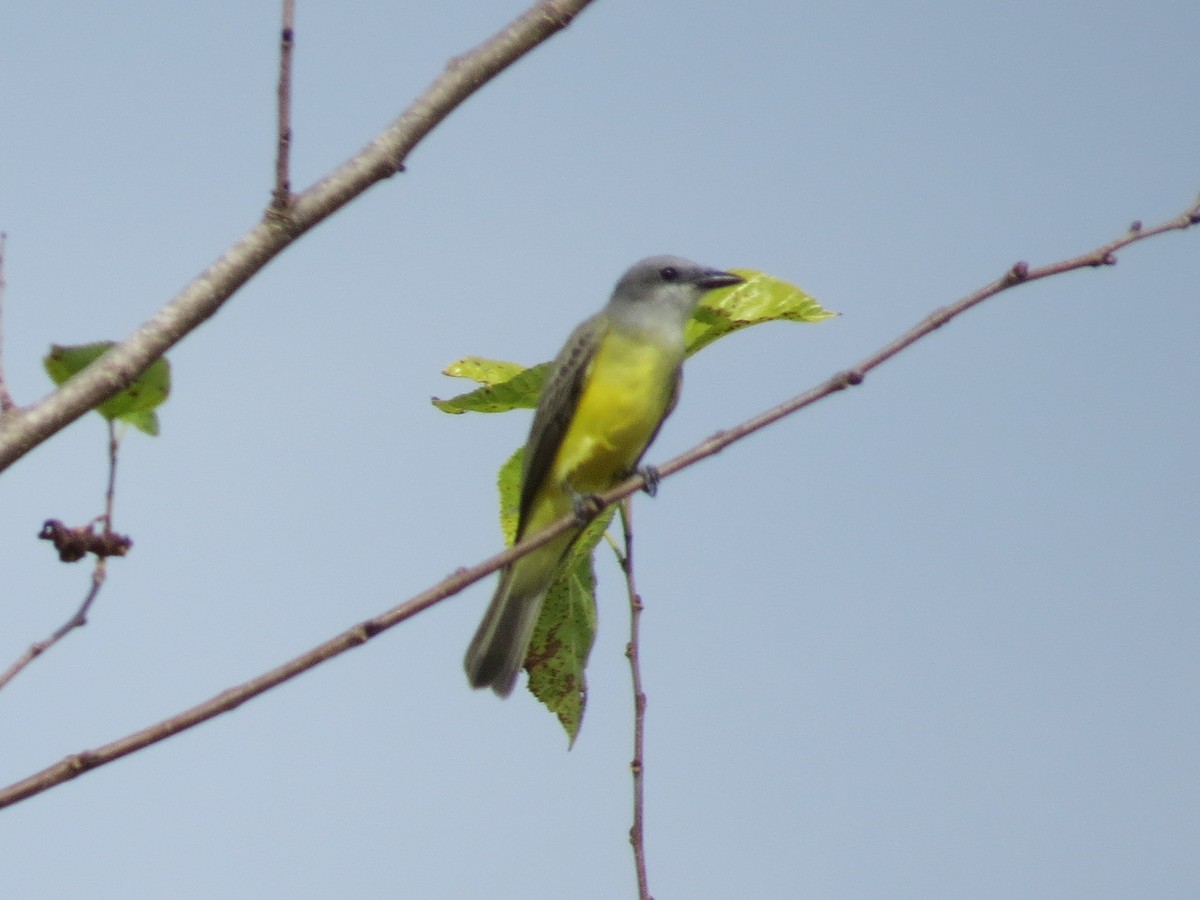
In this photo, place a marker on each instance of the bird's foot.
(585, 506)
(652, 477)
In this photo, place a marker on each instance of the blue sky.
(934, 637)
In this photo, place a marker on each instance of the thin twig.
(6, 400)
(110, 495)
(281, 197)
(79, 619)
(637, 832)
(230, 699)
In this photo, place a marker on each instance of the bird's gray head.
(661, 292)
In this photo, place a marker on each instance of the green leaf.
(145, 420)
(483, 370)
(509, 483)
(760, 298)
(135, 404)
(505, 386)
(563, 637)
(562, 640)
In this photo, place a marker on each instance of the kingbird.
(607, 393)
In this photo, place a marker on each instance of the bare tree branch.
(281, 198)
(232, 698)
(6, 400)
(22, 429)
(1020, 273)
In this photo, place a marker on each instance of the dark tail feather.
(497, 652)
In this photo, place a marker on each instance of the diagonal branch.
(1020, 273)
(24, 428)
(232, 698)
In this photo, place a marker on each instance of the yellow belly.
(627, 392)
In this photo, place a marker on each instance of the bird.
(607, 393)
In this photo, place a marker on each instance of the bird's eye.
(669, 273)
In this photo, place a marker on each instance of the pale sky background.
(938, 636)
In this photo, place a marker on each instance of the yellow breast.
(626, 394)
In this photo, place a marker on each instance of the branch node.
(81, 762)
(279, 214)
(1018, 273)
(367, 630)
(848, 378)
(1135, 226)
(388, 167)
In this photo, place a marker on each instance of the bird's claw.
(585, 506)
(652, 477)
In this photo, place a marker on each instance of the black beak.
(718, 279)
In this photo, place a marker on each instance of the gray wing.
(555, 408)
